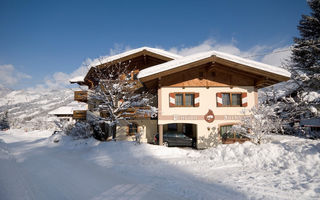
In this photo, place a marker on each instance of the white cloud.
(9, 76)
(277, 57)
(185, 51)
(262, 53)
(61, 79)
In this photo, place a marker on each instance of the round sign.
(209, 117)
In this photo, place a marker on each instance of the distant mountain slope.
(4, 91)
(27, 105)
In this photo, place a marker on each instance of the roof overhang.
(79, 80)
(131, 54)
(269, 72)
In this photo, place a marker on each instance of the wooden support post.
(160, 134)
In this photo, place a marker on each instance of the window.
(189, 99)
(231, 99)
(236, 99)
(184, 99)
(133, 129)
(179, 99)
(226, 99)
(226, 133)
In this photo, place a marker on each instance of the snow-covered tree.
(259, 122)
(4, 121)
(305, 66)
(116, 92)
(303, 100)
(306, 50)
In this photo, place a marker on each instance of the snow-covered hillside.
(33, 166)
(4, 90)
(27, 105)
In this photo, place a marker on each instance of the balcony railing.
(133, 113)
(80, 114)
(81, 96)
(137, 113)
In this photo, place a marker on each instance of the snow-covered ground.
(33, 166)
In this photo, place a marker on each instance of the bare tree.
(117, 95)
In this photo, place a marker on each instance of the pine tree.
(306, 50)
(4, 122)
(304, 101)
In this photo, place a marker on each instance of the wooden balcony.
(132, 113)
(137, 113)
(80, 114)
(81, 96)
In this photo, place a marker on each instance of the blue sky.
(42, 42)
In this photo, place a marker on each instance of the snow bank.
(285, 168)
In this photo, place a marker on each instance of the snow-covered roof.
(68, 109)
(205, 55)
(134, 51)
(77, 79)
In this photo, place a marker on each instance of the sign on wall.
(209, 117)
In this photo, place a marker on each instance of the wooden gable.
(210, 75)
(134, 63)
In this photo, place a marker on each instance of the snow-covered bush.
(79, 130)
(212, 140)
(260, 121)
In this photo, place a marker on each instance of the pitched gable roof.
(214, 56)
(158, 53)
(135, 52)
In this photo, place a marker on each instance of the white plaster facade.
(208, 100)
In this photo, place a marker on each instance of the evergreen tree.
(304, 101)
(4, 122)
(306, 50)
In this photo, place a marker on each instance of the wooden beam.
(160, 134)
(222, 68)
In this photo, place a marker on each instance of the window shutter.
(172, 100)
(219, 99)
(196, 100)
(128, 127)
(244, 99)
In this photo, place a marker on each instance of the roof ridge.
(106, 59)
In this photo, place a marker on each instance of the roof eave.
(239, 66)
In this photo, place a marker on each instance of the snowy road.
(30, 170)
(32, 166)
